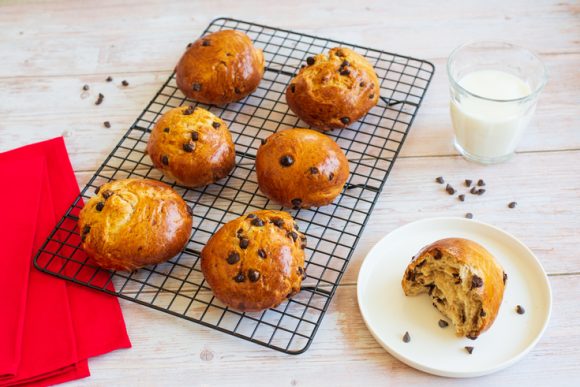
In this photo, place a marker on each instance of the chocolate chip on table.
(461, 197)
(345, 72)
(406, 337)
(512, 205)
(166, 130)
(165, 160)
(253, 275)
(286, 160)
(293, 235)
(278, 222)
(244, 243)
(345, 120)
(310, 60)
(189, 147)
(480, 183)
(206, 43)
(476, 282)
(100, 206)
(443, 324)
(292, 87)
(125, 83)
(107, 124)
(257, 222)
(196, 86)
(109, 78)
(86, 229)
(480, 191)
(262, 253)
(473, 190)
(468, 183)
(505, 277)
(240, 278)
(216, 124)
(194, 136)
(107, 194)
(188, 111)
(313, 170)
(469, 349)
(86, 87)
(100, 99)
(233, 258)
(469, 215)
(440, 180)
(296, 202)
(450, 190)
(520, 309)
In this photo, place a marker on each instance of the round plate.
(388, 313)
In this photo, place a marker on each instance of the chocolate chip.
(473, 191)
(190, 109)
(86, 87)
(345, 120)
(125, 83)
(244, 242)
(292, 87)
(437, 254)
(286, 160)
(512, 205)
(86, 229)
(520, 309)
(345, 72)
(194, 136)
(189, 45)
(165, 160)
(450, 190)
(480, 182)
(469, 349)
(100, 206)
(293, 235)
(476, 282)
(83, 237)
(345, 63)
(296, 202)
(240, 278)
(310, 60)
(482, 313)
(109, 79)
(461, 197)
(189, 210)
(468, 183)
(100, 99)
(296, 226)
(339, 53)
(196, 86)
(362, 84)
(505, 277)
(471, 337)
(107, 124)
(262, 253)
(440, 180)
(313, 170)
(300, 270)
(371, 96)
(107, 194)
(233, 258)
(257, 222)
(406, 337)
(253, 275)
(480, 191)
(206, 43)
(278, 222)
(421, 263)
(443, 324)
(469, 215)
(216, 124)
(97, 190)
(303, 246)
(166, 130)
(189, 147)
(251, 216)
(237, 91)
(431, 287)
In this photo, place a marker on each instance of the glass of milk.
(494, 90)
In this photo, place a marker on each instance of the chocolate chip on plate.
(480, 191)
(512, 205)
(468, 183)
(450, 190)
(107, 124)
(257, 222)
(286, 160)
(86, 87)
(310, 60)
(109, 78)
(469, 349)
(244, 243)
(469, 215)
(443, 324)
(520, 309)
(233, 258)
(440, 180)
(100, 99)
(461, 197)
(480, 183)
(253, 275)
(473, 190)
(406, 337)
(125, 83)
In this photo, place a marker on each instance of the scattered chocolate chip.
(505, 277)
(237, 91)
(310, 60)
(190, 109)
(189, 210)
(443, 324)
(189, 147)
(262, 253)
(362, 84)
(86, 87)
(330, 176)
(216, 124)
(286, 160)
(468, 183)
(196, 86)
(293, 235)
(482, 313)
(292, 87)
(345, 72)
(469, 349)
(476, 282)
(107, 124)
(253, 275)
(469, 215)
(100, 99)
(480, 191)
(450, 190)
(244, 243)
(406, 337)
(461, 197)
(233, 258)
(166, 130)
(345, 120)
(165, 160)
(240, 278)
(251, 216)
(100, 206)
(86, 229)
(480, 182)
(512, 205)
(107, 194)
(206, 43)
(440, 180)
(313, 170)
(278, 222)
(194, 136)
(473, 191)
(296, 202)
(109, 78)
(257, 222)
(125, 83)
(520, 309)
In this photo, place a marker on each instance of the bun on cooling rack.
(301, 168)
(220, 67)
(133, 223)
(333, 91)
(192, 146)
(464, 280)
(256, 261)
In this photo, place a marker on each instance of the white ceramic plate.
(388, 313)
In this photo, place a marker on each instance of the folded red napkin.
(52, 326)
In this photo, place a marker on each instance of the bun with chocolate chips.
(256, 261)
(333, 90)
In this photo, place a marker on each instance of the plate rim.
(456, 374)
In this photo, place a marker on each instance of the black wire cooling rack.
(177, 287)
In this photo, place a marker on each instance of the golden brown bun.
(335, 90)
(301, 168)
(219, 68)
(464, 280)
(256, 261)
(192, 146)
(132, 223)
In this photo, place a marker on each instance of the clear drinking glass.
(494, 90)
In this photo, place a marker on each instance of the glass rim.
(532, 95)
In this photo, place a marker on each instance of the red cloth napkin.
(52, 326)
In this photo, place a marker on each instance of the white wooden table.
(50, 49)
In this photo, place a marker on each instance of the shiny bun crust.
(220, 68)
(192, 146)
(133, 223)
(256, 261)
(301, 168)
